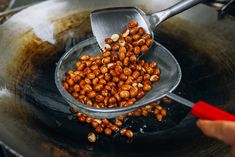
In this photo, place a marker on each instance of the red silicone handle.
(206, 111)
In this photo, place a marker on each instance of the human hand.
(222, 130)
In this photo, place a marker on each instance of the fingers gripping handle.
(206, 111)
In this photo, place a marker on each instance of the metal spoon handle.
(180, 100)
(183, 5)
(203, 110)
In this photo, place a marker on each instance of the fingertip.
(199, 123)
(205, 126)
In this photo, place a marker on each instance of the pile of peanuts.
(109, 80)
(112, 127)
(112, 80)
(117, 126)
(132, 40)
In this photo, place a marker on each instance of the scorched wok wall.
(33, 117)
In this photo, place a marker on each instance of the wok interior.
(207, 64)
(169, 78)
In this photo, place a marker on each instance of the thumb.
(222, 130)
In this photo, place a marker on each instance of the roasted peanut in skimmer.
(115, 79)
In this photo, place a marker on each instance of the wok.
(33, 117)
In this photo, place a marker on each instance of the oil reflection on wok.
(34, 116)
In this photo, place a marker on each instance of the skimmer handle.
(203, 110)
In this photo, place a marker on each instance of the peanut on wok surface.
(116, 126)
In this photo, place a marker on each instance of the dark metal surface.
(33, 118)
